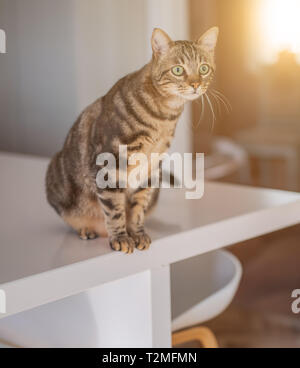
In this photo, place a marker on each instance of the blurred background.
(63, 54)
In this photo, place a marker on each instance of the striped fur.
(141, 111)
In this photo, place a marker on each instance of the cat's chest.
(161, 140)
(153, 148)
(158, 146)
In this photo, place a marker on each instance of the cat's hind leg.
(86, 226)
(86, 218)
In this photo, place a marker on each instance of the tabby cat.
(140, 111)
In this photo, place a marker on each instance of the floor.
(261, 315)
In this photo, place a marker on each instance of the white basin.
(202, 287)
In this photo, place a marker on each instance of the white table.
(42, 261)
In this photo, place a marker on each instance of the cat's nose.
(195, 85)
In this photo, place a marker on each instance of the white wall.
(172, 16)
(38, 79)
(63, 54)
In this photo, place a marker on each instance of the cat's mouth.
(192, 95)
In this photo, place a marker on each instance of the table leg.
(161, 307)
(130, 312)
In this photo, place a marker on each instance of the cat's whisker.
(212, 110)
(224, 98)
(226, 104)
(220, 100)
(202, 107)
(195, 126)
(217, 101)
(199, 120)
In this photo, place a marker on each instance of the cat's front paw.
(142, 240)
(122, 243)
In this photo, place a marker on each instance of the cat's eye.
(204, 69)
(178, 70)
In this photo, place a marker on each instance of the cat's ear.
(160, 41)
(208, 41)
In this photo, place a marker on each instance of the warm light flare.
(280, 27)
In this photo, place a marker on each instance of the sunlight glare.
(280, 27)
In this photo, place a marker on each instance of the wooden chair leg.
(202, 334)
